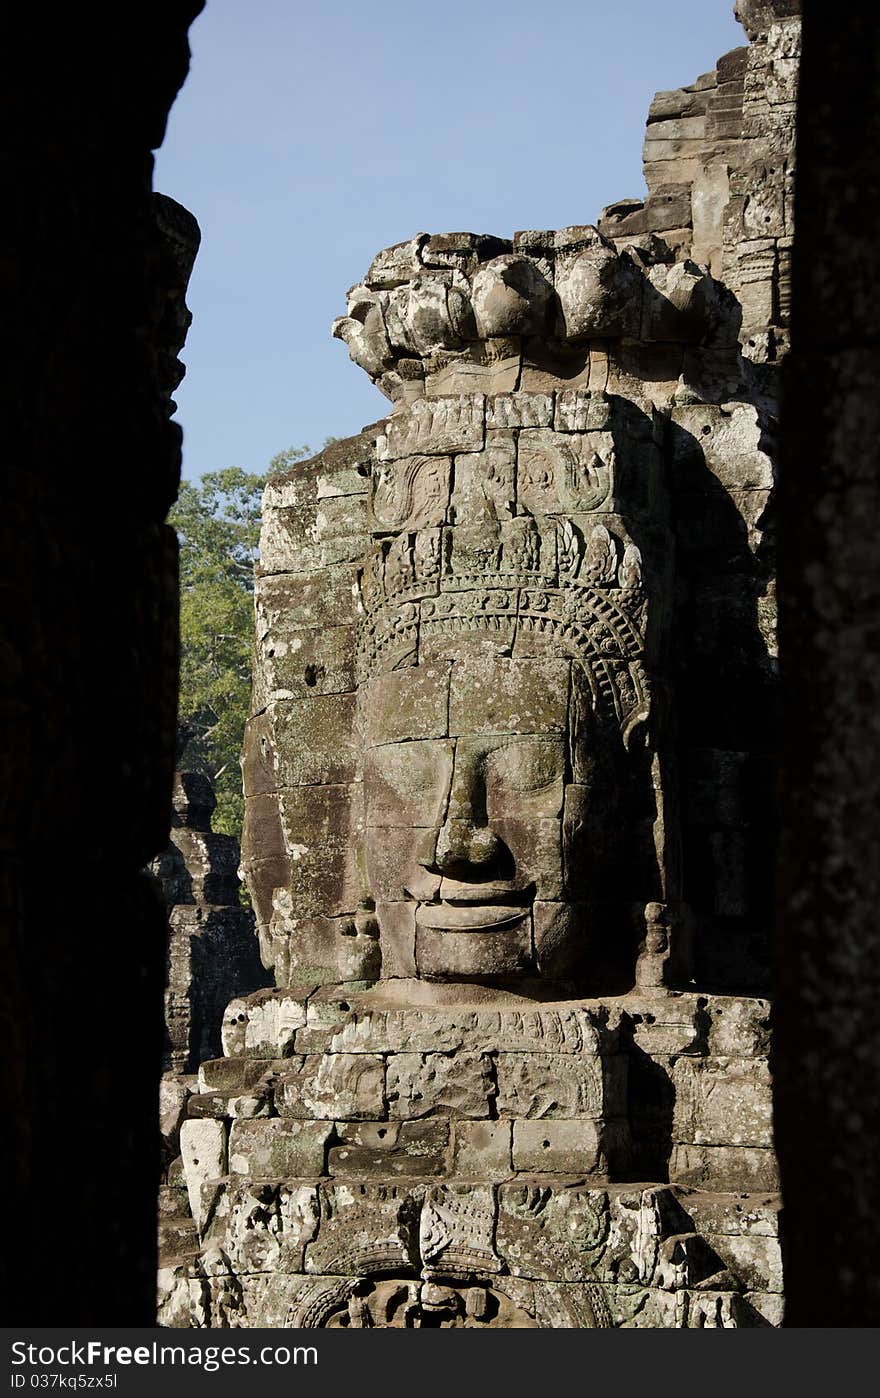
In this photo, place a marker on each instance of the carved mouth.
(469, 917)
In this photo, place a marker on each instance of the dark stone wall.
(828, 956)
(89, 653)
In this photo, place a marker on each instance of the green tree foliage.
(217, 519)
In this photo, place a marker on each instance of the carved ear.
(405, 661)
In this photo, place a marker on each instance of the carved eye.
(527, 767)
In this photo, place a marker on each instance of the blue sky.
(310, 135)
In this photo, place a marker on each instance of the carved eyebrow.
(526, 746)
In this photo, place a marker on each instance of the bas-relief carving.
(410, 1305)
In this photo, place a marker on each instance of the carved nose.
(461, 846)
(465, 842)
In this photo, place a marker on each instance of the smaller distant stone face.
(756, 16)
(213, 952)
(177, 242)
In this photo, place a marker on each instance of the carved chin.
(489, 941)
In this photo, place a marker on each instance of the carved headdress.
(520, 511)
(514, 541)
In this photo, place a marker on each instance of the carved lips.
(486, 907)
(469, 917)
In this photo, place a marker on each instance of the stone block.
(495, 371)
(541, 377)
(259, 757)
(366, 1227)
(736, 1215)
(348, 479)
(491, 695)
(536, 845)
(722, 1102)
(305, 538)
(328, 1008)
(287, 603)
(755, 1261)
(441, 955)
(343, 1086)
(263, 1025)
(666, 1024)
(238, 1074)
(315, 741)
(263, 1227)
(524, 780)
(286, 543)
(325, 951)
(621, 1237)
(456, 1230)
(565, 472)
(313, 1040)
(486, 475)
(561, 931)
(436, 1084)
(434, 426)
(204, 1156)
(278, 1147)
(768, 1308)
(409, 493)
(746, 1168)
(578, 410)
(511, 297)
(312, 661)
(517, 1028)
(181, 1300)
(665, 169)
(740, 1026)
(553, 1234)
(405, 784)
(339, 518)
(264, 860)
(717, 448)
(391, 855)
(316, 821)
(410, 1149)
(676, 303)
(676, 103)
(677, 128)
(401, 707)
(557, 1147)
(398, 939)
(231, 1105)
(670, 149)
(519, 410)
(481, 1150)
(173, 1094)
(541, 1085)
(177, 1238)
(683, 1310)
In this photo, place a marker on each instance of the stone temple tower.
(508, 804)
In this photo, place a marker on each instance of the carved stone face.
(484, 816)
